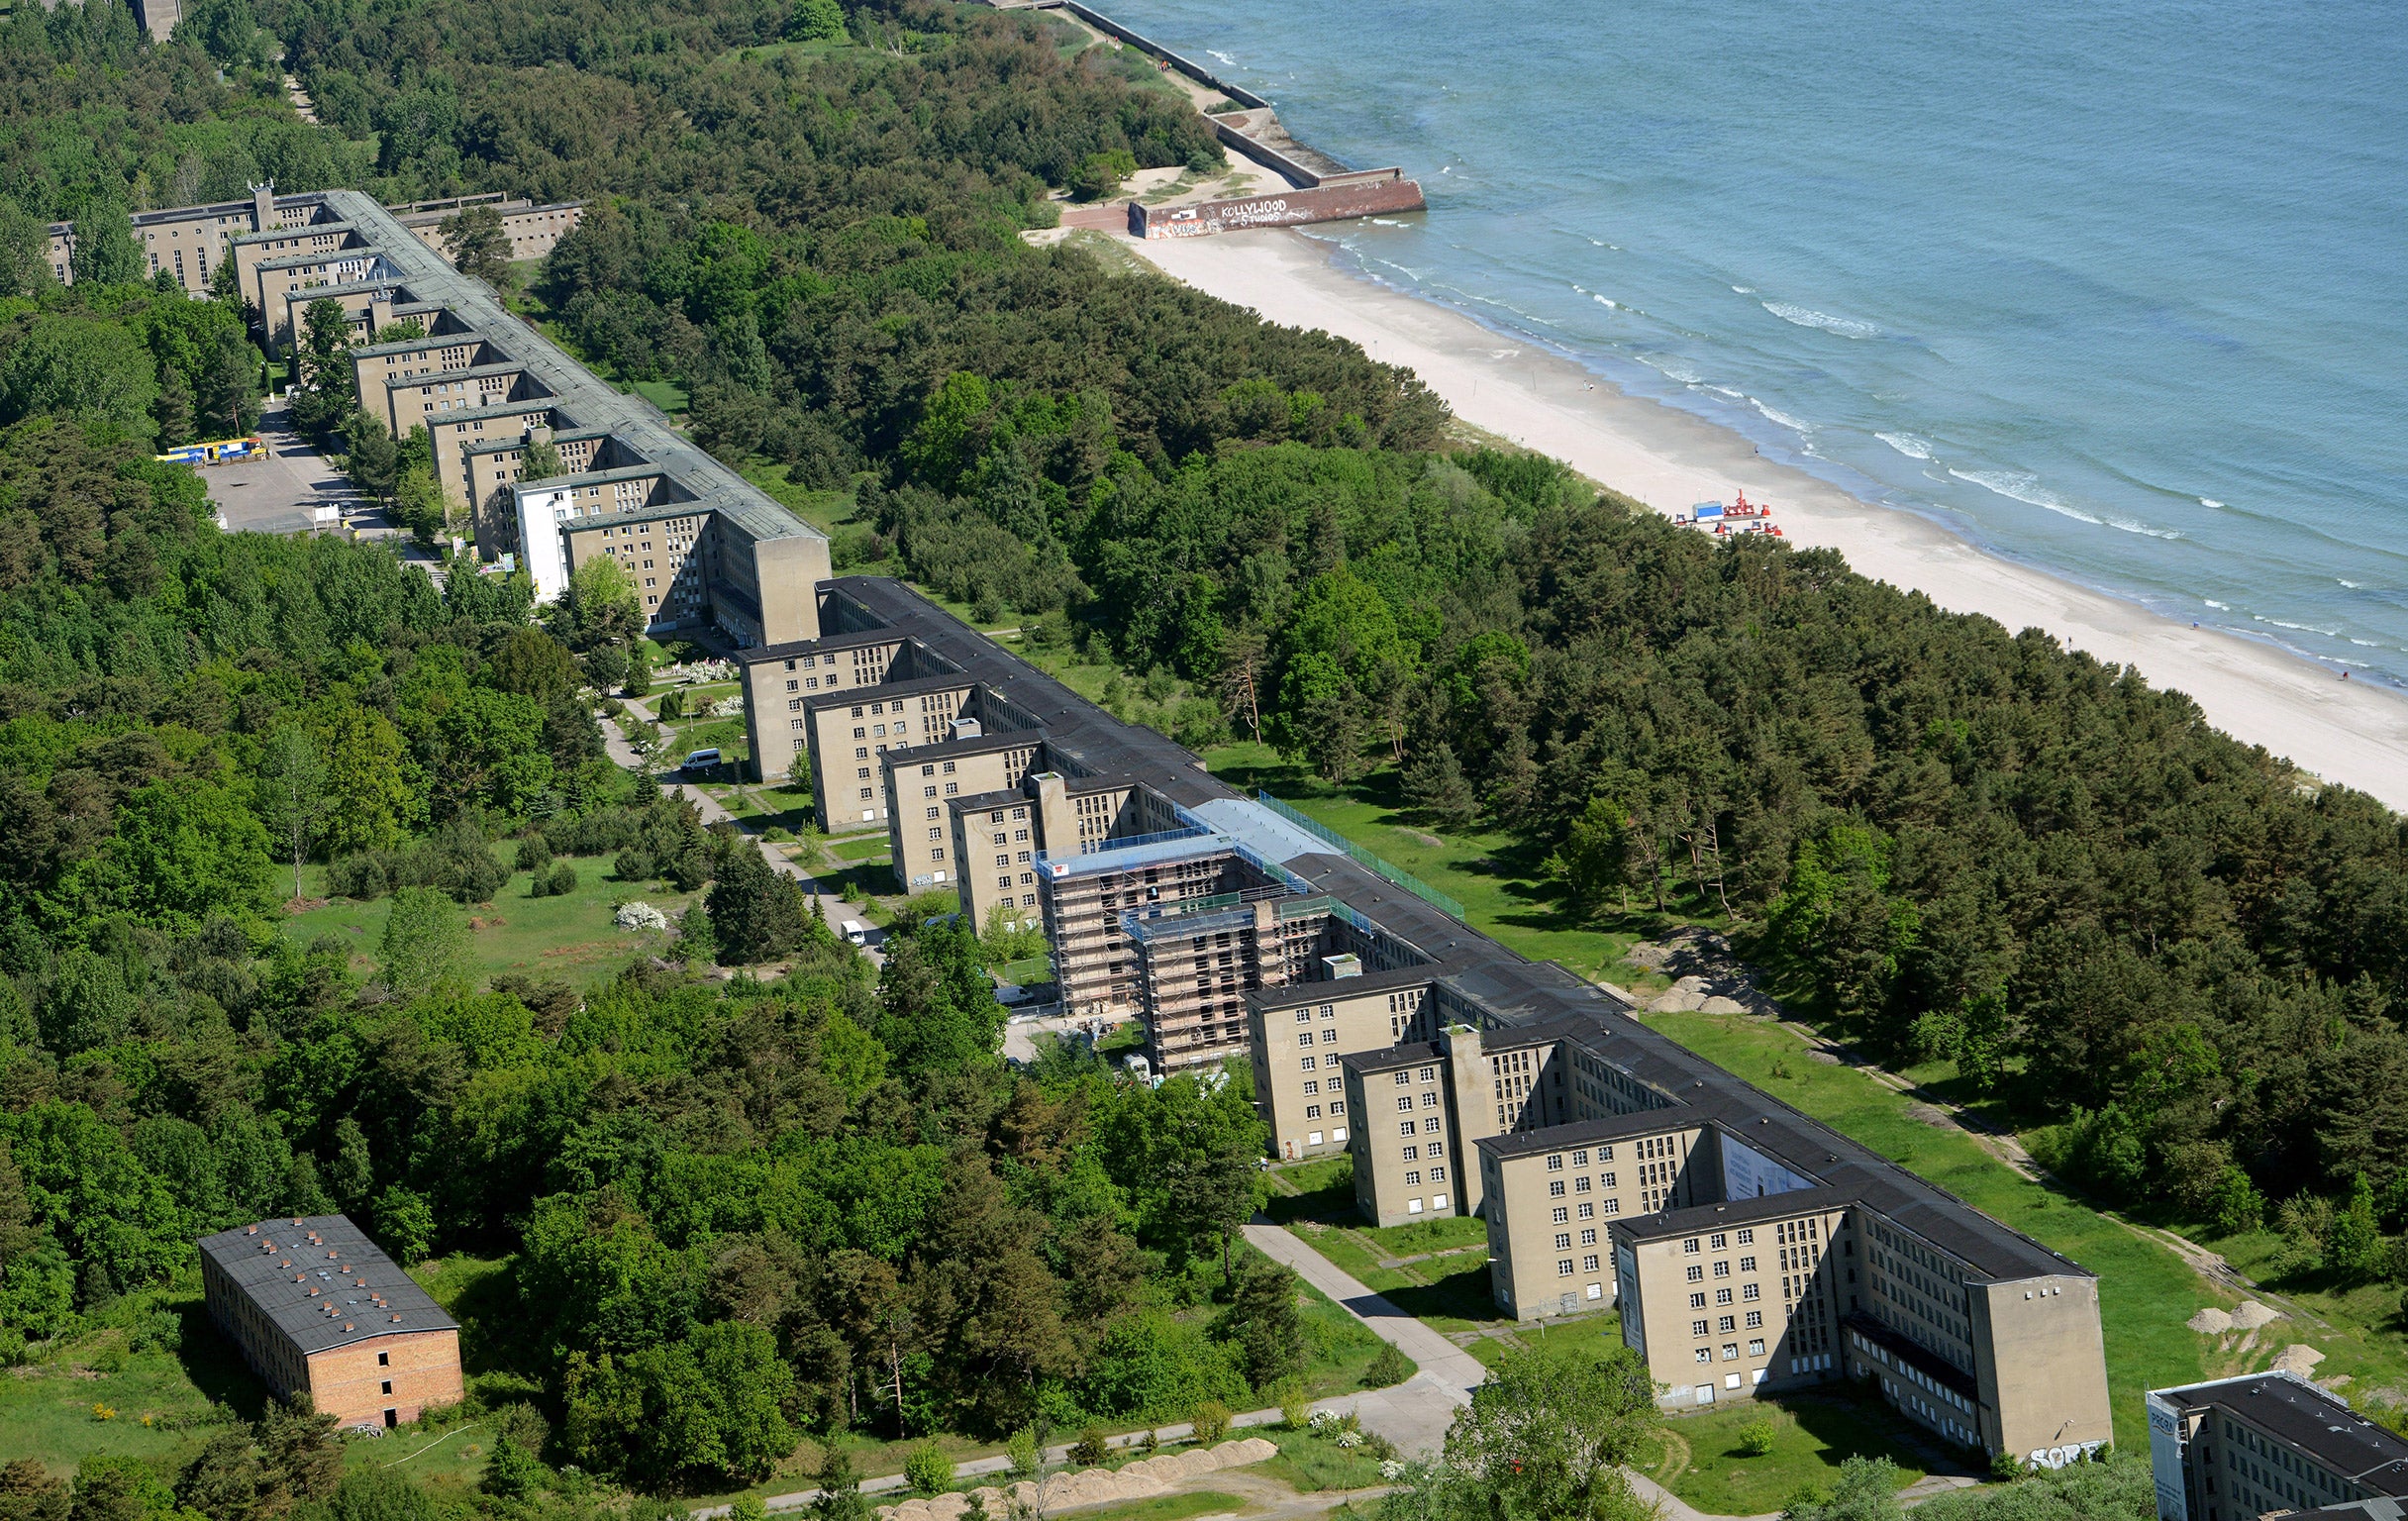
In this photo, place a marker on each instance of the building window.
(1697, 1273)
(1697, 1302)
(1756, 1318)
(1563, 1240)
(1699, 1328)
(1564, 1268)
(1722, 1296)
(1588, 1265)
(1755, 1348)
(1748, 1291)
(1562, 1216)
(1554, 1190)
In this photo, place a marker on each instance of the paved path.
(1454, 1369)
(828, 905)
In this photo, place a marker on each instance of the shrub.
(1756, 1437)
(1023, 1452)
(1295, 1408)
(929, 1470)
(1388, 1366)
(1211, 1418)
(366, 875)
(534, 855)
(563, 879)
(1091, 1448)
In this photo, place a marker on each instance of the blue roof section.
(1258, 829)
(1127, 855)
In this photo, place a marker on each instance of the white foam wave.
(1808, 316)
(1907, 443)
(1724, 390)
(1606, 301)
(1385, 222)
(1673, 370)
(2353, 585)
(2366, 644)
(1773, 415)
(2024, 486)
(2209, 502)
(2296, 628)
(2131, 527)
(2221, 607)
(1745, 290)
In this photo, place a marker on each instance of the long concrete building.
(191, 241)
(702, 546)
(317, 1308)
(1750, 1248)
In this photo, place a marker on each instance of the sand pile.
(2210, 1322)
(2298, 1358)
(2248, 1315)
(1142, 1479)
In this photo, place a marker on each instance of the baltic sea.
(2117, 289)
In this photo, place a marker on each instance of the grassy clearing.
(864, 848)
(570, 936)
(1813, 1434)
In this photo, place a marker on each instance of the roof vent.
(250, 1229)
(397, 1317)
(347, 1325)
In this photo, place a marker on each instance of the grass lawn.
(860, 847)
(667, 395)
(1813, 1434)
(1595, 1332)
(1449, 1294)
(47, 1407)
(1339, 1346)
(570, 936)
(1040, 968)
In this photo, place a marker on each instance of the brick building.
(317, 1308)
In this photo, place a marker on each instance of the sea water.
(2118, 288)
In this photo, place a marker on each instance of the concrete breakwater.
(1366, 193)
(1323, 189)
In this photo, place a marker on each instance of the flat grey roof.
(1388, 1058)
(2298, 1413)
(321, 1282)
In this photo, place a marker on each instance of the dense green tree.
(104, 251)
(478, 244)
(424, 946)
(758, 913)
(94, 371)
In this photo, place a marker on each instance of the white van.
(700, 760)
(856, 931)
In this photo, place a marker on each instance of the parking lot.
(280, 494)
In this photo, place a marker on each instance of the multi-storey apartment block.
(1750, 1248)
(2271, 1444)
(191, 241)
(317, 1308)
(701, 545)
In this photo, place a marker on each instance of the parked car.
(701, 761)
(857, 932)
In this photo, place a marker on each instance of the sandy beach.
(2342, 731)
